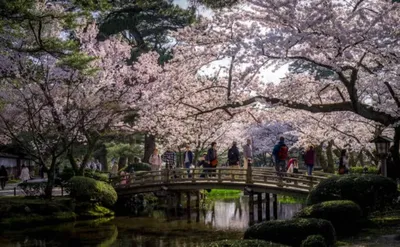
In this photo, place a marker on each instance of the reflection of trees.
(238, 208)
(111, 239)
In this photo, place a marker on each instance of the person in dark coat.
(3, 177)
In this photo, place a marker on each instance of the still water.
(220, 219)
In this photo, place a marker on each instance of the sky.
(268, 75)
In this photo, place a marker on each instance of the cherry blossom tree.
(357, 41)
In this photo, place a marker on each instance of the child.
(293, 166)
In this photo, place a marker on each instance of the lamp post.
(382, 145)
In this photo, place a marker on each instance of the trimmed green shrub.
(292, 232)
(314, 241)
(371, 192)
(88, 210)
(242, 243)
(360, 170)
(345, 216)
(96, 175)
(137, 167)
(85, 189)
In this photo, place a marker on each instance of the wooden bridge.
(254, 180)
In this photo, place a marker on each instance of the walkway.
(257, 180)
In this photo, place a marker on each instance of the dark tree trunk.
(320, 159)
(102, 157)
(121, 162)
(395, 153)
(50, 180)
(149, 146)
(329, 157)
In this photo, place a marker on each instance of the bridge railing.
(258, 176)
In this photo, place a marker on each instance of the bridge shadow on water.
(236, 213)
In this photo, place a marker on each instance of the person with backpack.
(212, 157)
(233, 157)
(309, 159)
(280, 154)
(188, 159)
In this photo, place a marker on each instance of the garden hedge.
(85, 189)
(292, 232)
(101, 176)
(314, 241)
(360, 170)
(242, 243)
(137, 167)
(371, 192)
(344, 215)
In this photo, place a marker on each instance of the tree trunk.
(149, 146)
(352, 160)
(320, 158)
(121, 162)
(329, 157)
(395, 153)
(50, 180)
(361, 158)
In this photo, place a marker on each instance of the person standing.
(309, 159)
(25, 174)
(280, 153)
(234, 157)
(169, 157)
(3, 177)
(247, 154)
(188, 158)
(155, 160)
(212, 156)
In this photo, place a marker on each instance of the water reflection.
(220, 219)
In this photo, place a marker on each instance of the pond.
(219, 219)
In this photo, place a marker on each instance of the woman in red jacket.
(309, 159)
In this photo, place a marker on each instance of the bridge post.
(178, 202)
(166, 174)
(249, 174)
(267, 207)
(275, 206)
(259, 206)
(251, 207)
(188, 206)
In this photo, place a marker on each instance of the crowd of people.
(280, 156)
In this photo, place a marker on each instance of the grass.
(223, 194)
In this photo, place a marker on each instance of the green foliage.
(66, 174)
(138, 204)
(137, 167)
(122, 150)
(371, 192)
(85, 189)
(89, 210)
(33, 189)
(242, 243)
(217, 4)
(96, 175)
(292, 232)
(314, 241)
(148, 23)
(344, 215)
(360, 170)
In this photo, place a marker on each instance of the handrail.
(251, 175)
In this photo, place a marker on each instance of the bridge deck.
(251, 179)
